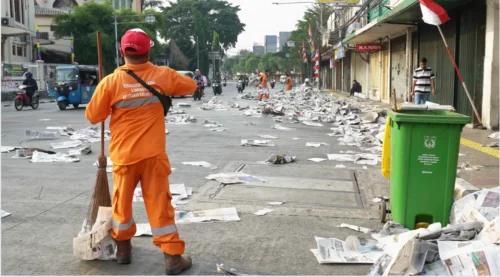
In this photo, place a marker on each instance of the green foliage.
(186, 20)
(91, 17)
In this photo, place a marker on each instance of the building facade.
(397, 38)
(17, 31)
(283, 39)
(271, 44)
(259, 50)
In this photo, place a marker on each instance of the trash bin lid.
(429, 116)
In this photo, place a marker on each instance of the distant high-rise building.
(271, 44)
(259, 50)
(283, 37)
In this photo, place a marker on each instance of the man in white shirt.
(423, 83)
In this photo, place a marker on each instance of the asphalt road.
(49, 201)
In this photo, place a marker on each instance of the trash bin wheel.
(382, 210)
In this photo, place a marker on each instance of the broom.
(101, 195)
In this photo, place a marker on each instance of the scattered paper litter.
(276, 203)
(228, 271)
(256, 142)
(81, 151)
(40, 157)
(166, 132)
(66, 144)
(317, 160)
(495, 135)
(4, 213)
(7, 149)
(461, 154)
(295, 138)
(44, 119)
(185, 105)
(234, 178)
(492, 144)
(215, 215)
(340, 166)
(248, 123)
(219, 129)
(353, 250)
(379, 199)
(268, 137)
(280, 159)
(315, 124)
(263, 211)
(341, 157)
(143, 229)
(279, 127)
(201, 163)
(34, 134)
(211, 124)
(315, 144)
(357, 228)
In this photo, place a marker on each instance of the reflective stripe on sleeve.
(137, 102)
(124, 226)
(169, 229)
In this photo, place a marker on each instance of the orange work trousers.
(153, 174)
(265, 93)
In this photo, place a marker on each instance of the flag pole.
(460, 75)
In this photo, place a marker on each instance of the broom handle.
(99, 58)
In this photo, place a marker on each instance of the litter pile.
(180, 119)
(280, 159)
(468, 246)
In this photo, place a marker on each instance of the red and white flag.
(432, 13)
(316, 66)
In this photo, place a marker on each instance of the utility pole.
(116, 42)
(197, 53)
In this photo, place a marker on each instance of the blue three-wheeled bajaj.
(74, 85)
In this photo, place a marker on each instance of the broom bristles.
(101, 195)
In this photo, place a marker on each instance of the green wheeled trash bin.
(424, 148)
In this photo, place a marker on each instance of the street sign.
(214, 55)
(368, 47)
(291, 43)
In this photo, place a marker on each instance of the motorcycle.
(240, 86)
(217, 88)
(199, 91)
(224, 83)
(23, 100)
(273, 83)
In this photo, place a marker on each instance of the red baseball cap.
(138, 40)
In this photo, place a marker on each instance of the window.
(13, 50)
(17, 10)
(44, 35)
(20, 51)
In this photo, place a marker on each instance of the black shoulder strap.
(148, 87)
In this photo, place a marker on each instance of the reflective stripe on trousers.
(137, 102)
(122, 226)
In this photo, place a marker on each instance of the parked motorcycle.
(199, 91)
(23, 100)
(224, 83)
(217, 88)
(273, 82)
(240, 86)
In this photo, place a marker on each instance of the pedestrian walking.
(423, 83)
(263, 83)
(137, 147)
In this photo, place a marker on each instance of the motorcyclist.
(242, 79)
(199, 79)
(31, 85)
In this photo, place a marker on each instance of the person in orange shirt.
(288, 82)
(263, 83)
(137, 147)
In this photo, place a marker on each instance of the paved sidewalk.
(472, 150)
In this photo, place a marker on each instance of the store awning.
(375, 30)
(7, 31)
(56, 48)
(408, 12)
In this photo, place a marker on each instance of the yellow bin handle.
(386, 150)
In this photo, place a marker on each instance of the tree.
(151, 4)
(215, 48)
(186, 20)
(91, 17)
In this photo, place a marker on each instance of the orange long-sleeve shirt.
(288, 83)
(137, 124)
(264, 80)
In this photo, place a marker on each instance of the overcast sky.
(263, 18)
